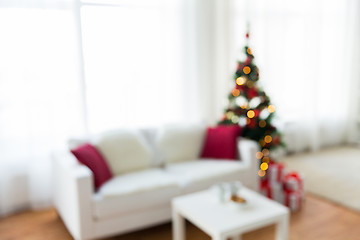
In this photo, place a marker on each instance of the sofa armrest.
(72, 194)
(247, 150)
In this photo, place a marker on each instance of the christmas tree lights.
(250, 107)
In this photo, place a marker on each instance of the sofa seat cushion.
(134, 192)
(204, 173)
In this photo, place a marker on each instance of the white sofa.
(140, 193)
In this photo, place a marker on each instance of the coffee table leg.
(178, 224)
(237, 237)
(219, 238)
(282, 228)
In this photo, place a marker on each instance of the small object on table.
(237, 199)
(235, 187)
(221, 190)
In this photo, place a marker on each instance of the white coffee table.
(228, 220)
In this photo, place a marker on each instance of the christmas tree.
(250, 107)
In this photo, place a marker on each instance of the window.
(132, 58)
(302, 50)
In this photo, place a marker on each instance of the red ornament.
(239, 111)
(251, 93)
(276, 140)
(240, 87)
(240, 66)
(247, 35)
(248, 60)
(252, 123)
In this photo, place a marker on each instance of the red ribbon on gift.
(294, 176)
(293, 199)
(265, 188)
(280, 169)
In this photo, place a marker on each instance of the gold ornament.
(262, 123)
(268, 139)
(244, 106)
(264, 166)
(250, 114)
(249, 51)
(266, 152)
(271, 108)
(240, 80)
(261, 173)
(259, 155)
(246, 70)
(236, 92)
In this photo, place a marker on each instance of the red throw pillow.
(88, 155)
(221, 142)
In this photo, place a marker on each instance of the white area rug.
(331, 173)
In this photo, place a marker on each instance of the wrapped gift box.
(293, 181)
(276, 172)
(284, 187)
(277, 193)
(273, 191)
(293, 200)
(265, 188)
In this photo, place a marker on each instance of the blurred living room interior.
(179, 88)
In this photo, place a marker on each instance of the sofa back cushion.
(125, 150)
(88, 155)
(179, 143)
(150, 134)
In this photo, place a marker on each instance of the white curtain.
(307, 53)
(208, 66)
(71, 68)
(39, 98)
(133, 71)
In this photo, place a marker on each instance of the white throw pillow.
(125, 151)
(179, 143)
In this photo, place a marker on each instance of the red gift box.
(273, 191)
(277, 193)
(284, 188)
(276, 172)
(293, 181)
(293, 199)
(287, 189)
(265, 188)
(294, 190)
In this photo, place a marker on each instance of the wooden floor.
(317, 220)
